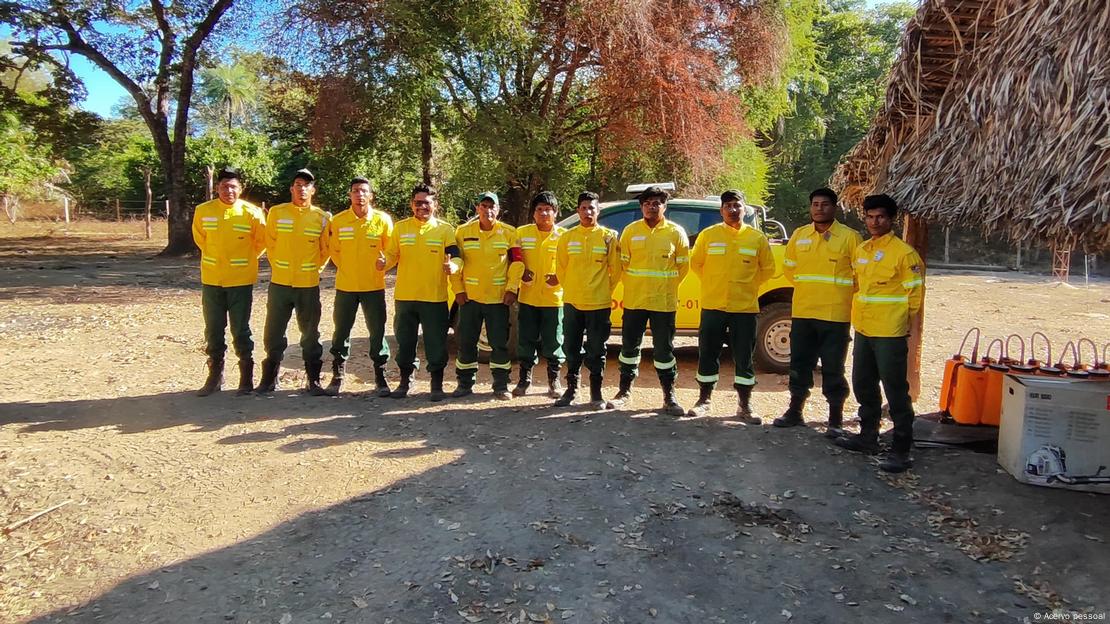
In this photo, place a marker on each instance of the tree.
(233, 88)
(151, 50)
(528, 90)
(831, 109)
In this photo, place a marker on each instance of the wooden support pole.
(149, 198)
(915, 232)
(119, 215)
(947, 232)
(1020, 245)
(65, 208)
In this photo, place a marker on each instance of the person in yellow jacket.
(357, 238)
(231, 234)
(588, 268)
(818, 262)
(655, 257)
(732, 260)
(297, 246)
(424, 251)
(485, 288)
(891, 290)
(540, 310)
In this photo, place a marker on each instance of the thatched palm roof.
(997, 116)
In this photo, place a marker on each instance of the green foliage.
(111, 166)
(250, 152)
(856, 47)
(227, 91)
(746, 169)
(23, 171)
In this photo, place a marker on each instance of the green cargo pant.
(595, 326)
(539, 332)
(409, 317)
(883, 360)
(472, 316)
(813, 339)
(221, 305)
(739, 329)
(634, 326)
(373, 312)
(281, 302)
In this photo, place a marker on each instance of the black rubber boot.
(571, 393)
(624, 390)
(896, 461)
(792, 417)
(402, 389)
(866, 443)
(525, 381)
(269, 381)
(596, 400)
(670, 402)
(744, 411)
(381, 386)
(701, 408)
(835, 429)
(246, 377)
(338, 371)
(215, 380)
(464, 387)
(312, 383)
(437, 394)
(554, 388)
(501, 384)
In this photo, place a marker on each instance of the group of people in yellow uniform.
(562, 281)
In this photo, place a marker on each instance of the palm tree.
(233, 87)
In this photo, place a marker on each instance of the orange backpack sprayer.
(1075, 370)
(969, 390)
(1044, 367)
(995, 375)
(1097, 370)
(951, 370)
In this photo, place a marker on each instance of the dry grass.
(997, 116)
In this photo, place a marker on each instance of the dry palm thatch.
(997, 115)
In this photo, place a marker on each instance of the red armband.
(515, 255)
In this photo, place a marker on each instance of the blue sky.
(104, 93)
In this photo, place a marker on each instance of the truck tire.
(772, 338)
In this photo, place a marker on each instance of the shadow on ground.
(573, 516)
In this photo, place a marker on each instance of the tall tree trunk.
(180, 222)
(426, 139)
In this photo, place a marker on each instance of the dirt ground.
(291, 509)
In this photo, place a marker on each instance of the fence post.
(947, 230)
(146, 175)
(1020, 245)
(119, 215)
(65, 208)
(167, 209)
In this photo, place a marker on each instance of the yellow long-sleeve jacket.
(539, 249)
(891, 287)
(588, 265)
(654, 261)
(819, 265)
(491, 262)
(732, 264)
(355, 244)
(230, 238)
(296, 244)
(419, 250)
